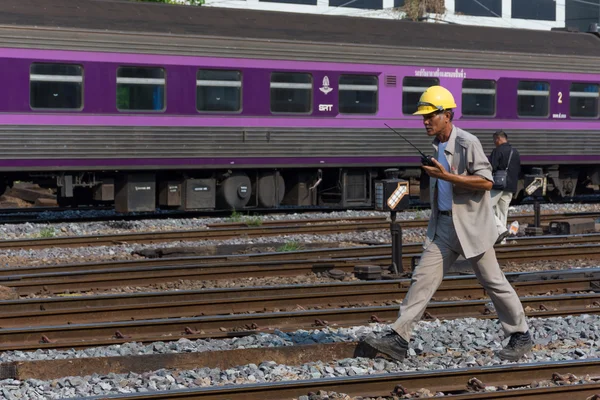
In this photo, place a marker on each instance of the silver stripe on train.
(55, 78)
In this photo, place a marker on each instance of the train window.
(584, 100)
(478, 97)
(480, 8)
(412, 89)
(56, 86)
(544, 10)
(533, 99)
(218, 90)
(291, 92)
(140, 89)
(358, 94)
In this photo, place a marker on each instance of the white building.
(529, 14)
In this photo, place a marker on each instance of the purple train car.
(206, 108)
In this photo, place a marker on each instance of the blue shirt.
(444, 187)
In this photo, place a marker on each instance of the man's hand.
(472, 182)
(438, 171)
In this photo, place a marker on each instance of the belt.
(448, 213)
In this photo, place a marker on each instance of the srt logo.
(325, 107)
(325, 88)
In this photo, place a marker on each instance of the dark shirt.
(499, 159)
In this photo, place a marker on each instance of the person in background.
(504, 157)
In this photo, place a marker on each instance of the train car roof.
(131, 16)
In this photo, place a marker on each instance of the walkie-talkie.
(425, 160)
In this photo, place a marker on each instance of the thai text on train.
(441, 74)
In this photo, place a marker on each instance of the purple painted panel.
(256, 92)
(181, 90)
(559, 99)
(15, 85)
(506, 99)
(99, 78)
(325, 93)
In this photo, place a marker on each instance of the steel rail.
(203, 234)
(447, 381)
(586, 391)
(37, 215)
(294, 227)
(93, 334)
(311, 221)
(89, 309)
(82, 279)
(345, 252)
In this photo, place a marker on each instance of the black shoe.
(519, 344)
(391, 344)
(502, 236)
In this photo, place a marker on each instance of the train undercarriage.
(336, 188)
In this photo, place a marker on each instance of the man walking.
(504, 158)
(462, 222)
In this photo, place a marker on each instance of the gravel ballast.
(437, 345)
(16, 258)
(35, 230)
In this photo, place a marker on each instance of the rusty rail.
(453, 381)
(80, 278)
(203, 234)
(321, 253)
(217, 233)
(123, 307)
(92, 334)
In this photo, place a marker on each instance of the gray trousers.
(500, 203)
(436, 260)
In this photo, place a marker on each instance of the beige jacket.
(472, 212)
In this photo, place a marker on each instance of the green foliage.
(246, 219)
(253, 221)
(235, 216)
(290, 246)
(47, 232)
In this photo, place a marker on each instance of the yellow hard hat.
(435, 98)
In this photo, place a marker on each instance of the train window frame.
(534, 93)
(141, 81)
(344, 87)
(57, 78)
(213, 83)
(467, 91)
(580, 94)
(415, 89)
(291, 85)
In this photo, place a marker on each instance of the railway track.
(37, 215)
(227, 231)
(573, 377)
(124, 307)
(322, 253)
(215, 326)
(211, 233)
(458, 382)
(101, 276)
